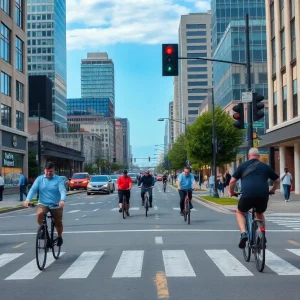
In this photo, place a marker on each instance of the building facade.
(46, 47)
(98, 77)
(283, 45)
(171, 124)
(119, 143)
(13, 96)
(126, 139)
(195, 76)
(176, 109)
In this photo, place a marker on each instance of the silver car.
(133, 177)
(100, 184)
(114, 178)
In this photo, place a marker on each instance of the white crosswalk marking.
(227, 263)
(177, 264)
(80, 203)
(280, 266)
(8, 257)
(131, 208)
(158, 240)
(295, 251)
(30, 271)
(83, 265)
(129, 265)
(178, 208)
(72, 211)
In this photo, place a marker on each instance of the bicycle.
(146, 200)
(45, 242)
(164, 186)
(124, 207)
(187, 209)
(256, 240)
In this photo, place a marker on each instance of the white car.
(100, 184)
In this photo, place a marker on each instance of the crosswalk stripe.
(131, 208)
(177, 264)
(158, 240)
(178, 208)
(279, 265)
(83, 265)
(73, 211)
(227, 263)
(129, 265)
(30, 271)
(8, 257)
(295, 251)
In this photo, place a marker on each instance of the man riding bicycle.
(165, 178)
(255, 191)
(52, 196)
(148, 183)
(124, 183)
(186, 183)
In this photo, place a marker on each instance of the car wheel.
(88, 193)
(71, 189)
(113, 189)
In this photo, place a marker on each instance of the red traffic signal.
(170, 60)
(239, 116)
(169, 50)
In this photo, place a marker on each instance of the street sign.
(256, 125)
(256, 143)
(247, 97)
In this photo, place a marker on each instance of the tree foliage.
(199, 145)
(32, 164)
(178, 153)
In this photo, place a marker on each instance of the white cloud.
(203, 5)
(102, 22)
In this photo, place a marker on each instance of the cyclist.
(165, 178)
(52, 196)
(124, 183)
(254, 176)
(186, 183)
(148, 182)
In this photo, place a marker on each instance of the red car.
(159, 177)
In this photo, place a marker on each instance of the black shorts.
(260, 204)
(126, 193)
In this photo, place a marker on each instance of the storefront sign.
(12, 165)
(8, 159)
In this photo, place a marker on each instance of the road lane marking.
(294, 243)
(76, 219)
(30, 271)
(80, 203)
(156, 217)
(295, 251)
(131, 208)
(279, 265)
(177, 264)
(83, 265)
(20, 245)
(227, 263)
(72, 211)
(178, 208)
(96, 209)
(161, 285)
(83, 216)
(8, 257)
(129, 265)
(158, 240)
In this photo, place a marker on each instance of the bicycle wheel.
(146, 205)
(164, 188)
(188, 212)
(124, 207)
(247, 252)
(41, 247)
(54, 236)
(259, 246)
(185, 211)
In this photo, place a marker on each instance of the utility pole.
(39, 141)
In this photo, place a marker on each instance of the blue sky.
(131, 32)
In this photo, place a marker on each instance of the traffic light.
(149, 158)
(239, 116)
(257, 106)
(170, 60)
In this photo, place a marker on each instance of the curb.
(10, 209)
(220, 207)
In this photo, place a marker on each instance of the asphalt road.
(158, 257)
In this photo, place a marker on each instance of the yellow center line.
(20, 245)
(161, 285)
(294, 242)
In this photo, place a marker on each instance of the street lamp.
(173, 120)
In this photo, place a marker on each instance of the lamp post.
(173, 120)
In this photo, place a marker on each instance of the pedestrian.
(286, 179)
(227, 180)
(221, 184)
(175, 177)
(1, 187)
(211, 183)
(22, 185)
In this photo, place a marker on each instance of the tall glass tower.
(46, 48)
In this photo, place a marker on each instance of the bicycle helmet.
(125, 172)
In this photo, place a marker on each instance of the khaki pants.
(56, 213)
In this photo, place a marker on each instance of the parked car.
(100, 184)
(114, 178)
(133, 176)
(159, 177)
(66, 182)
(79, 181)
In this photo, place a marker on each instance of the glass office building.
(90, 106)
(225, 11)
(97, 77)
(46, 48)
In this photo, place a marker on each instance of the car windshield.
(114, 176)
(99, 178)
(131, 175)
(79, 176)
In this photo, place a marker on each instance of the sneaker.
(243, 240)
(127, 213)
(59, 241)
(120, 210)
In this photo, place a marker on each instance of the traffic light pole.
(39, 141)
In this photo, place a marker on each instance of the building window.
(5, 115)
(295, 98)
(195, 26)
(197, 76)
(195, 33)
(5, 6)
(281, 6)
(193, 48)
(19, 54)
(5, 43)
(194, 104)
(19, 13)
(197, 83)
(197, 69)
(193, 41)
(236, 78)
(284, 104)
(193, 98)
(272, 21)
(262, 78)
(292, 7)
(293, 38)
(275, 108)
(195, 55)
(193, 112)
(273, 57)
(19, 92)
(5, 84)
(20, 120)
(282, 40)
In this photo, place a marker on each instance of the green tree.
(178, 153)
(32, 164)
(199, 142)
(91, 169)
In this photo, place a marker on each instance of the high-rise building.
(283, 136)
(195, 76)
(126, 139)
(171, 124)
(176, 109)
(46, 48)
(166, 137)
(223, 12)
(97, 77)
(13, 96)
(119, 143)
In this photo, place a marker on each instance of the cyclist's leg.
(57, 215)
(127, 193)
(40, 212)
(182, 197)
(261, 206)
(143, 196)
(150, 197)
(190, 195)
(244, 205)
(120, 194)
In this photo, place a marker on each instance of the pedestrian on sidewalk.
(1, 187)
(286, 179)
(22, 185)
(227, 180)
(221, 184)
(211, 183)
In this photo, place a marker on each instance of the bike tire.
(41, 248)
(124, 207)
(247, 252)
(188, 213)
(185, 211)
(146, 205)
(259, 247)
(55, 249)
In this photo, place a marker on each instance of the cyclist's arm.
(62, 190)
(178, 187)
(33, 190)
(276, 181)
(130, 184)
